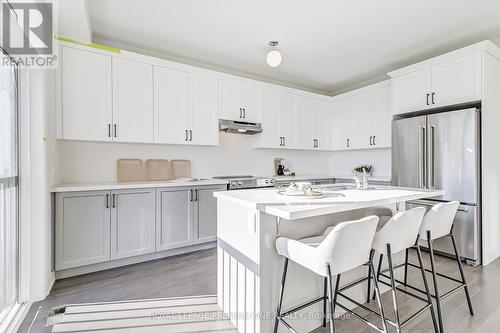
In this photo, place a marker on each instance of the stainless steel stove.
(246, 182)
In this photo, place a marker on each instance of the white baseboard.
(15, 318)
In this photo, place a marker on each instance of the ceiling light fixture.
(274, 56)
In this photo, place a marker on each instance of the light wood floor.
(195, 274)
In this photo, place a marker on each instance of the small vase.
(361, 179)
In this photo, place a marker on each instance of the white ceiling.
(327, 45)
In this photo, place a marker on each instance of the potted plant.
(361, 174)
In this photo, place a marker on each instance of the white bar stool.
(341, 248)
(400, 233)
(437, 223)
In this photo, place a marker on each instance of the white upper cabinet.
(360, 120)
(338, 119)
(411, 92)
(238, 102)
(305, 115)
(86, 95)
(132, 101)
(269, 138)
(381, 119)
(287, 121)
(204, 128)
(171, 106)
(321, 128)
(445, 83)
(456, 81)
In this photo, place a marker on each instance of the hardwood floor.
(195, 274)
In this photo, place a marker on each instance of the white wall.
(94, 161)
(342, 162)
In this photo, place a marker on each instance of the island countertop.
(337, 198)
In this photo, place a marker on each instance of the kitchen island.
(249, 268)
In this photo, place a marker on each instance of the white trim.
(359, 91)
(15, 318)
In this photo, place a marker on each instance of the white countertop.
(131, 185)
(338, 198)
(325, 176)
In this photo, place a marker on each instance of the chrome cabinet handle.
(241, 113)
(347, 142)
(374, 143)
(115, 129)
(113, 205)
(244, 113)
(196, 195)
(432, 99)
(190, 195)
(427, 99)
(107, 200)
(190, 135)
(371, 140)
(284, 141)
(431, 179)
(109, 130)
(186, 137)
(421, 152)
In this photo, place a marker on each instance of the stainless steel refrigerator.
(442, 150)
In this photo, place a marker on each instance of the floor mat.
(173, 315)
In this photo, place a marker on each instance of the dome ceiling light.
(273, 58)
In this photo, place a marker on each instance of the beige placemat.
(180, 169)
(157, 169)
(129, 170)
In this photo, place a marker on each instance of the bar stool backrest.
(348, 244)
(439, 220)
(400, 231)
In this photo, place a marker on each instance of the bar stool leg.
(379, 268)
(426, 286)
(434, 279)
(461, 269)
(377, 291)
(282, 289)
(325, 294)
(406, 266)
(332, 295)
(368, 291)
(393, 289)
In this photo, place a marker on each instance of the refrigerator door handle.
(421, 159)
(431, 179)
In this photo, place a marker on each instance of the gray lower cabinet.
(205, 212)
(132, 222)
(174, 218)
(98, 226)
(82, 228)
(186, 216)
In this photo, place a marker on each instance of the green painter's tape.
(94, 45)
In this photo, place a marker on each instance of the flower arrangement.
(368, 168)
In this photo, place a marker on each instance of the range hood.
(240, 127)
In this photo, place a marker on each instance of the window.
(9, 188)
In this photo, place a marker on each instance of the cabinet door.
(339, 121)
(457, 81)
(230, 101)
(203, 97)
(206, 215)
(305, 113)
(269, 138)
(360, 120)
(409, 92)
(86, 95)
(381, 118)
(251, 100)
(171, 106)
(174, 218)
(287, 119)
(321, 126)
(82, 228)
(133, 114)
(132, 222)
